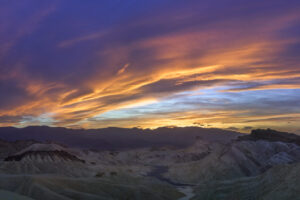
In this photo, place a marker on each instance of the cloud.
(7, 120)
(247, 128)
(122, 70)
(85, 38)
(233, 128)
(179, 85)
(221, 63)
(76, 94)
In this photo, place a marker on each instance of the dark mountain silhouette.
(117, 138)
(271, 135)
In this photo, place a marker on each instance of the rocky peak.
(44, 152)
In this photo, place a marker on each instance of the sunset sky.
(232, 64)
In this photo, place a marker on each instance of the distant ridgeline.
(118, 138)
(271, 135)
(130, 138)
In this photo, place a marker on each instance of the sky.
(232, 64)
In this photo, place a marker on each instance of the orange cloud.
(178, 57)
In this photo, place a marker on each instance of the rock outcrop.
(272, 136)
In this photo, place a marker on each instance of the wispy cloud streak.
(99, 64)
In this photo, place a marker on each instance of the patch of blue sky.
(214, 99)
(43, 119)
